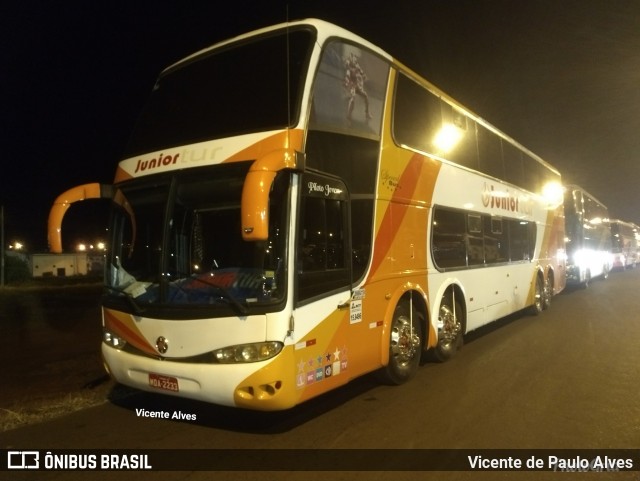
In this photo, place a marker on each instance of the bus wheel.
(405, 346)
(538, 298)
(449, 329)
(548, 292)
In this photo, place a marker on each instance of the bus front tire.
(405, 346)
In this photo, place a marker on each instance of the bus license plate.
(166, 383)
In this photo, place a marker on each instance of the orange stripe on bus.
(405, 190)
(129, 333)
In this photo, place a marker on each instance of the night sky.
(561, 77)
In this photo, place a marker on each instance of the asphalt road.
(563, 380)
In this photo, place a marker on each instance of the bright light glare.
(447, 137)
(553, 193)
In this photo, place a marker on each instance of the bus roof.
(328, 30)
(585, 192)
(325, 30)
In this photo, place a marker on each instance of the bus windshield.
(252, 86)
(177, 242)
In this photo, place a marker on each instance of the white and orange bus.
(297, 208)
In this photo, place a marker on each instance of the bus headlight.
(113, 340)
(257, 351)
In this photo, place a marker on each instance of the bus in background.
(588, 240)
(296, 208)
(624, 244)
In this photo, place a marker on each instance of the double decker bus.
(588, 241)
(624, 244)
(296, 208)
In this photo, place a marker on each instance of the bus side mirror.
(63, 202)
(255, 205)
(256, 189)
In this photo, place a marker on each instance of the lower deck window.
(462, 239)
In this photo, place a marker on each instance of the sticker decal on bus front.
(322, 367)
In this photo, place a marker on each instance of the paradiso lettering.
(505, 201)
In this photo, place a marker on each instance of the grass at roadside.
(50, 362)
(50, 406)
(26, 413)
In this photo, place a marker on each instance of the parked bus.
(296, 208)
(588, 240)
(624, 244)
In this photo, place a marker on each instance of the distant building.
(64, 265)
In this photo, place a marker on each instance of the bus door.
(322, 283)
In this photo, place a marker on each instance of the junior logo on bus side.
(506, 200)
(159, 161)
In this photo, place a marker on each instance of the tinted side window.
(496, 240)
(464, 146)
(522, 236)
(417, 115)
(475, 240)
(323, 237)
(490, 153)
(449, 243)
(462, 239)
(513, 168)
(532, 174)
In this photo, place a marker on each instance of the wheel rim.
(405, 341)
(548, 293)
(538, 295)
(449, 327)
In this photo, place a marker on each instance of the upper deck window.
(251, 86)
(349, 91)
(422, 120)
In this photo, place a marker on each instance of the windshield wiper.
(241, 308)
(137, 310)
